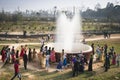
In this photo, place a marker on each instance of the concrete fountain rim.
(89, 50)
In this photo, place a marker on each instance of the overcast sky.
(11, 5)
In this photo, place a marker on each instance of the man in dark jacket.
(75, 68)
(25, 58)
(107, 63)
(90, 68)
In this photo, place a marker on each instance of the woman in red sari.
(22, 51)
(3, 54)
(52, 56)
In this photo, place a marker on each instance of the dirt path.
(87, 39)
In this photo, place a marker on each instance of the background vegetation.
(41, 21)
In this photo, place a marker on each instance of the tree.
(97, 6)
(55, 8)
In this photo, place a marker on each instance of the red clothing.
(114, 59)
(3, 55)
(13, 57)
(52, 56)
(16, 67)
(13, 50)
(22, 52)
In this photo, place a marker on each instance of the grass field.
(44, 26)
(110, 42)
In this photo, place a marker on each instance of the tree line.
(111, 13)
(108, 14)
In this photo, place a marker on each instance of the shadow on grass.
(114, 77)
(62, 75)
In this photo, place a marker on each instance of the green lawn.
(34, 46)
(109, 42)
(7, 41)
(43, 26)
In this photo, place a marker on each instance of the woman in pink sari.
(114, 59)
(52, 56)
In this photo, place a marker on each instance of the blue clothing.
(59, 66)
(65, 62)
(47, 63)
(73, 60)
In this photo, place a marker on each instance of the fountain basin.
(76, 49)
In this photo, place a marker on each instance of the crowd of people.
(47, 56)
(12, 56)
(107, 55)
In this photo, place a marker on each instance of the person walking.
(16, 68)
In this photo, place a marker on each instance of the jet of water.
(68, 31)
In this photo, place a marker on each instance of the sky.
(12, 5)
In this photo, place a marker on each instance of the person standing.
(48, 51)
(105, 49)
(17, 55)
(90, 63)
(52, 55)
(64, 61)
(118, 60)
(47, 62)
(98, 52)
(107, 62)
(42, 47)
(3, 54)
(16, 68)
(48, 58)
(30, 55)
(25, 48)
(111, 51)
(34, 54)
(93, 48)
(114, 59)
(75, 68)
(13, 55)
(22, 51)
(25, 60)
(59, 66)
(8, 55)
